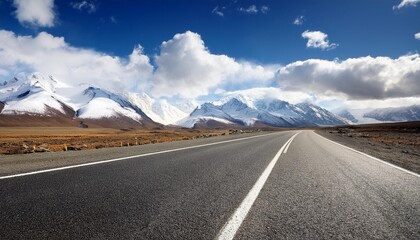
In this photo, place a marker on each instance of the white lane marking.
(231, 227)
(290, 142)
(130, 157)
(371, 157)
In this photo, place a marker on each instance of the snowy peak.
(347, 115)
(232, 112)
(247, 100)
(39, 94)
(319, 116)
(44, 96)
(234, 105)
(264, 112)
(278, 107)
(250, 116)
(104, 104)
(210, 110)
(207, 113)
(399, 114)
(34, 94)
(158, 110)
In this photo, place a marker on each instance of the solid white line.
(290, 142)
(231, 227)
(130, 157)
(371, 157)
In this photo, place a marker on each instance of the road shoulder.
(403, 155)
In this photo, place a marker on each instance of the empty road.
(284, 185)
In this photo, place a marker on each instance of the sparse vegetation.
(21, 140)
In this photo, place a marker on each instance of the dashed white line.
(130, 157)
(371, 157)
(231, 227)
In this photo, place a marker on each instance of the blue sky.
(359, 27)
(251, 33)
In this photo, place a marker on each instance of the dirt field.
(398, 143)
(19, 140)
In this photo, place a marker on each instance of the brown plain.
(19, 140)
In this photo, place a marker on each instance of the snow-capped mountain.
(347, 115)
(34, 94)
(319, 116)
(103, 104)
(158, 110)
(205, 114)
(250, 116)
(399, 114)
(245, 111)
(44, 96)
(287, 111)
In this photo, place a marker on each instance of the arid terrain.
(397, 143)
(20, 140)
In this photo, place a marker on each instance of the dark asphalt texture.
(188, 194)
(320, 190)
(317, 190)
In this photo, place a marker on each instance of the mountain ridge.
(46, 100)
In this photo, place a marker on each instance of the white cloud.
(52, 55)
(386, 103)
(90, 7)
(186, 68)
(406, 3)
(299, 20)
(317, 39)
(355, 78)
(250, 10)
(35, 12)
(417, 36)
(218, 11)
(264, 9)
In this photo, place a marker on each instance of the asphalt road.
(316, 190)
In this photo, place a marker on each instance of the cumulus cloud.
(355, 78)
(35, 12)
(406, 3)
(299, 20)
(186, 68)
(318, 39)
(90, 7)
(417, 36)
(53, 55)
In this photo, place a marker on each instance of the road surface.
(251, 188)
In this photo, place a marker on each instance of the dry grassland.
(18, 140)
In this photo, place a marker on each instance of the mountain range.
(41, 100)
(243, 111)
(397, 114)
